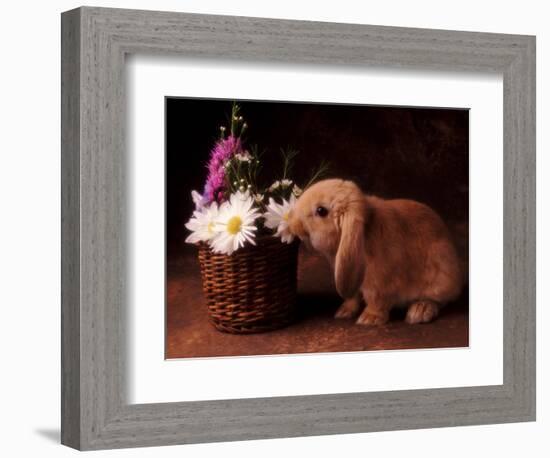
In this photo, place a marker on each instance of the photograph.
(300, 227)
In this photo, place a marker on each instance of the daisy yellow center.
(285, 216)
(234, 225)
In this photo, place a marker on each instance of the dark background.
(393, 152)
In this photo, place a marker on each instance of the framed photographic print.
(286, 228)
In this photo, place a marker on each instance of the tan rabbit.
(390, 252)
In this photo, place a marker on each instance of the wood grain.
(70, 229)
(96, 414)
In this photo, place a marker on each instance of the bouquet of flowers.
(247, 255)
(234, 208)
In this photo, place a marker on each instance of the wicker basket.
(254, 289)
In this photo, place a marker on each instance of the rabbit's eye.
(321, 211)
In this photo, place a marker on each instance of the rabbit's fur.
(389, 252)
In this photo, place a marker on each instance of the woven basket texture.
(254, 289)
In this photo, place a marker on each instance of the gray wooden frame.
(95, 413)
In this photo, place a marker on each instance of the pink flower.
(223, 150)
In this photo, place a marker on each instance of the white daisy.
(203, 224)
(276, 217)
(235, 224)
(258, 198)
(285, 183)
(297, 191)
(243, 157)
(197, 200)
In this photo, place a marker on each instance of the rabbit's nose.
(295, 225)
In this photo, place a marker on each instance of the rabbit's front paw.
(349, 308)
(372, 319)
(422, 312)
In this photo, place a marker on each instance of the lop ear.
(349, 268)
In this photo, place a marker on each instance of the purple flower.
(223, 150)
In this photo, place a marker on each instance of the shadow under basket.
(252, 290)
